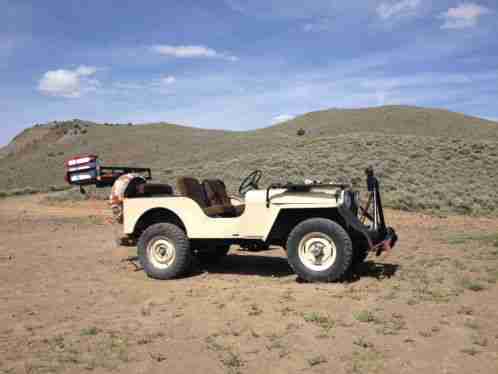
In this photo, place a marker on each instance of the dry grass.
(240, 318)
(428, 160)
(91, 350)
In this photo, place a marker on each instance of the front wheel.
(164, 251)
(319, 250)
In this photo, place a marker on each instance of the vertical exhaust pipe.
(373, 188)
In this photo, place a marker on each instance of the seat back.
(216, 192)
(153, 189)
(191, 188)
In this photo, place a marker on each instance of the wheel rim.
(161, 252)
(317, 251)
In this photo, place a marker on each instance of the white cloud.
(320, 26)
(84, 71)
(68, 83)
(463, 16)
(185, 51)
(397, 9)
(161, 85)
(281, 118)
(190, 51)
(168, 80)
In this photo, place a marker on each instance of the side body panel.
(255, 223)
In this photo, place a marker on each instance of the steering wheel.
(250, 182)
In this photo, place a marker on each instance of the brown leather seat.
(216, 192)
(190, 187)
(211, 196)
(217, 196)
(154, 189)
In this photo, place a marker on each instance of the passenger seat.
(190, 187)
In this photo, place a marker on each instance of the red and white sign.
(82, 170)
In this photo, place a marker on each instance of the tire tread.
(182, 247)
(336, 232)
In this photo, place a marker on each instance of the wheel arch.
(157, 215)
(288, 218)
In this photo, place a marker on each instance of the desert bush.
(73, 194)
(301, 132)
(22, 191)
(59, 188)
(417, 173)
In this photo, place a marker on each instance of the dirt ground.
(73, 301)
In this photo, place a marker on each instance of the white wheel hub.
(317, 251)
(161, 252)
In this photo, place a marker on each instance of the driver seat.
(217, 196)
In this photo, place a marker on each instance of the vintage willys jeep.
(322, 226)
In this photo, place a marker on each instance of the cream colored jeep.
(322, 227)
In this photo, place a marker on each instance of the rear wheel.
(319, 250)
(164, 251)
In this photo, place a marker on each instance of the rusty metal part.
(122, 187)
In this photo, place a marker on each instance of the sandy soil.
(71, 300)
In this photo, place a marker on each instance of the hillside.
(402, 120)
(429, 159)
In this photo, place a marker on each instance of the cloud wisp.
(68, 83)
(319, 26)
(463, 16)
(282, 118)
(403, 8)
(167, 80)
(190, 51)
(159, 85)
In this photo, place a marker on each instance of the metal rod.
(375, 210)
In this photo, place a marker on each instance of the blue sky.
(241, 64)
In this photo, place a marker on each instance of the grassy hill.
(428, 159)
(391, 120)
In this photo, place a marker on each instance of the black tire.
(169, 233)
(341, 241)
(213, 254)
